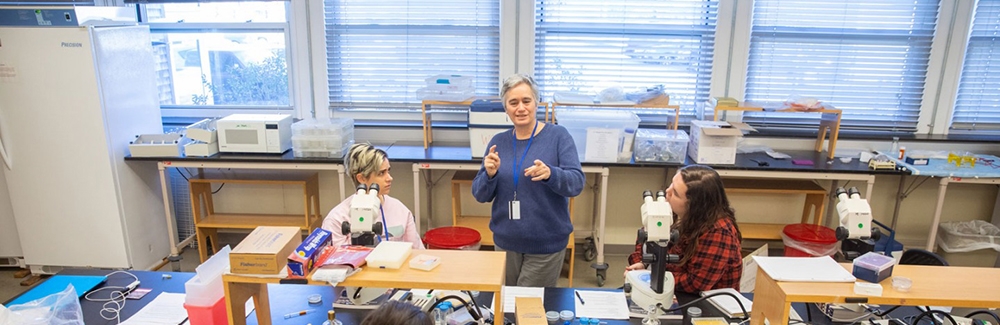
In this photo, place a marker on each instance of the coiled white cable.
(116, 299)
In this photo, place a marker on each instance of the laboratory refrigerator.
(76, 85)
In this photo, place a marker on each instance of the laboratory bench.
(793, 178)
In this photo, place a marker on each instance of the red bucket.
(808, 240)
(458, 238)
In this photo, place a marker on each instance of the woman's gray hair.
(516, 80)
(364, 159)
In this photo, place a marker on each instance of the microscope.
(363, 225)
(855, 229)
(653, 288)
(364, 228)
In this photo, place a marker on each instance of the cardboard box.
(715, 142)
(301, 261)
(265, 250)
(529, 311)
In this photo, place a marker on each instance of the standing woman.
(530, 190)
(709, 243)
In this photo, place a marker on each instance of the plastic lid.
(451, 237)
(315, 299)
(552, 315)
(874, 261)
(566, 315)
(805, 232)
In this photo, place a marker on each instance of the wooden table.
(971, 287)
(459, 270)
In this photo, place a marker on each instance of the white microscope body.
(363, 224)
(855, 228)
(655, 287)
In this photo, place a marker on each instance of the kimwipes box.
(265, 250)
(715, 142)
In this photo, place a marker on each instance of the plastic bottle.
(894, 149)
(440, 313)
(902, 153)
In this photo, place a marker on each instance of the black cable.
(886, 312)
(933, 311)
(474, 314)
(475, 305)
(995, 317)
(746, 315)
(219, 189)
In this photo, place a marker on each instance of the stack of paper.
(728, 304)
(804, 269)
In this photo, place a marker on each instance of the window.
(221, 55)
(977, 107)
(585, 46)
(380, 52)
(868, 58)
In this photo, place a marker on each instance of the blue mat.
(987, 166)
(57, 283)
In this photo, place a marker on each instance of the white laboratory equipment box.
(77, 84)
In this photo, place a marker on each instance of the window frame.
(293, 37)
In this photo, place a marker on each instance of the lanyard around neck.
(517, 177)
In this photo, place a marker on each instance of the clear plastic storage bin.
(446, 95)
(655, 145)
(580, 123)
(322, 139)
(449, 82)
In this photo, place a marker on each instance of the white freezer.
(71, 99)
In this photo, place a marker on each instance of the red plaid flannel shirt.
(716, 264)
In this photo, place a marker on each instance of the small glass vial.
(331, 318)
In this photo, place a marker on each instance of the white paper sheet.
(601, 304)
(803, 269)
(602, 145)
(167, 308)
(509, 293)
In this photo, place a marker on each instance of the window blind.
(977, 107)
(47, 3)
(584, 46)
(380, 52)
(866, 57)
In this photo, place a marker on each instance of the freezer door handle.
(4, 155)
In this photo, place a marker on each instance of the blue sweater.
(545, 225)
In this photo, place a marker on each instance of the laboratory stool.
(482, 223)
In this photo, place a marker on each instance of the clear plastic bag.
(61, 308)
(967, 236)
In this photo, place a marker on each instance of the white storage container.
(389, 254)
(601, 136)
(156, 145)
(446, 95)
(655, 145)
(449, 82)
(322, 139)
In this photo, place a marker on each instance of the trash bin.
(973, 243)
(808, 240)
(459, 238)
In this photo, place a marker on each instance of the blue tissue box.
(873, 267)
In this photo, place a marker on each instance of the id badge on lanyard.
(514, 206)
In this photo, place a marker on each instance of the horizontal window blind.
(584, 46)
(866, 57)
(977, 107)
(380, 52)
(47, 3)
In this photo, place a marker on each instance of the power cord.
(745, 317)
(930, 313)
(116, 299)
(987, 312)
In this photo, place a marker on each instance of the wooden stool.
(815, 202)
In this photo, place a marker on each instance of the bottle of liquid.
(894, 149)
(902, 153)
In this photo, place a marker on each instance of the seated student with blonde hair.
(367, 165)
